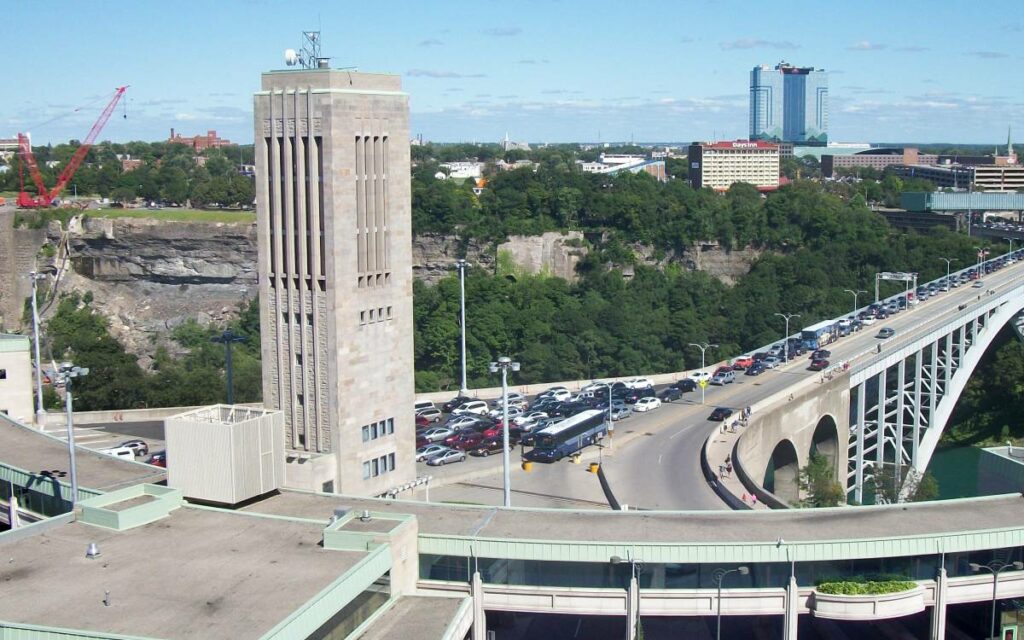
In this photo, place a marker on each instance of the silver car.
(429, 451)
(452, 455)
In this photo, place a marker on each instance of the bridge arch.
(825, 441)
(782, 476)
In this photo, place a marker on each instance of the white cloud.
(865, 45)
(757, 43)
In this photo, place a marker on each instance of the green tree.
(819, 484)
(913, 486)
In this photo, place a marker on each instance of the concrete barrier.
(84, 418)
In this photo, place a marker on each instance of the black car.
(720, 414)
(633, 395)
(567, 409)
(670, 394)
(821, 354)
(455, 403)
(755, 369)
(686, 384)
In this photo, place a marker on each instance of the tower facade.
(335, 268)
(789, 104)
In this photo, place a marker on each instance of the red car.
(742, 362)
(818, 365)
(158, 459)
(487, 447)
(468, 441)
(422, 421)
(721, 370)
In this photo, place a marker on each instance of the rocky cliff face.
(149, 276)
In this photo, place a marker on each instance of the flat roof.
(198, 573)
(33, 451)
(414, 617)
(678, 527)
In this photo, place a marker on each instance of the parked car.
(422, 405)
(473, 406)
(697, 376)
(433, 414)
(559, 394)
(639, 383)
(467, 441)
(422, 421)
(755, 369)
(528, 418)
(514, 398)
(885, 332)
(635, 395)
(487, 447)
(646, 404)
(621, 413)
(818, 364)
(724, 377)
(771, 362)
(513, 412)
(821, 354)
(429, 451)
(670, 394)
(138, 447)
(158, 459)
(742, 362)
(686, 384)
(720, 414)
(452, 455)
(437, 434)
(867, 321)
(455, 403)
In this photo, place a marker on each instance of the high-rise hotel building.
(789, 104)
(335, 271)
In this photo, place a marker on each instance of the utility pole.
(461, 266)
(40, 410)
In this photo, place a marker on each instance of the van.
(119, 452)
(423, 404)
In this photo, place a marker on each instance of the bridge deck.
(32, 451)
(680, 527)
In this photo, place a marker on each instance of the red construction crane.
(47, 196)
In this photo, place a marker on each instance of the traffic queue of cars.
(476, 427)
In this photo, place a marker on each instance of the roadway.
(656, 463)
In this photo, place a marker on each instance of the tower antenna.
(308, 57)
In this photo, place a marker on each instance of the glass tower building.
(789, 104)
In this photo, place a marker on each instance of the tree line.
(170, 173)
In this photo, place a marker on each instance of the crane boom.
(46, 197)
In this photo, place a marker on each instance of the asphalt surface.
(658, 465)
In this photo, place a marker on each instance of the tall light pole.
(703, 350)
(636, 569)
(68, 373)
(40, 411)
(854, 293)
(1011, 243)
(505, 364)
(461, 266)
(785, 344)
(228, 338)
(995, 568)
(608, 388)
(719, 577)
(981, 253)
(949, 261)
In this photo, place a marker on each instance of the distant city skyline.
(567, 71)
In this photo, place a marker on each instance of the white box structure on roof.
(225, 453)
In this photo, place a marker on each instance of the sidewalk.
(720, 445)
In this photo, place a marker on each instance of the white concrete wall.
(16, 378)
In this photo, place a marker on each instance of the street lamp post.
(461, 266)
(40, 411)
(785, 344)
(995, 568)
(608, 388)
(636, 569)
(68, 373)
(719, 577)
(228, 338)
(504, 364)
(855, 293)
(703, 350)
(1011, 243)
(949, 261)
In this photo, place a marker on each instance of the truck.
(818, 335)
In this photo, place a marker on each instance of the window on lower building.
(378, 466)
(3, 374)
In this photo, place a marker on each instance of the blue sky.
(553, 71)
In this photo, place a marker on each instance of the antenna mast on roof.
(309, 56)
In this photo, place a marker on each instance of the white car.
(473, 406)
(646, 404)
(528, 418)
(697, 376)
(639, 383)
(868, 321)
(771, 362)
(513, 412)
(514, 398)
(561, 395)
(594, 386)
